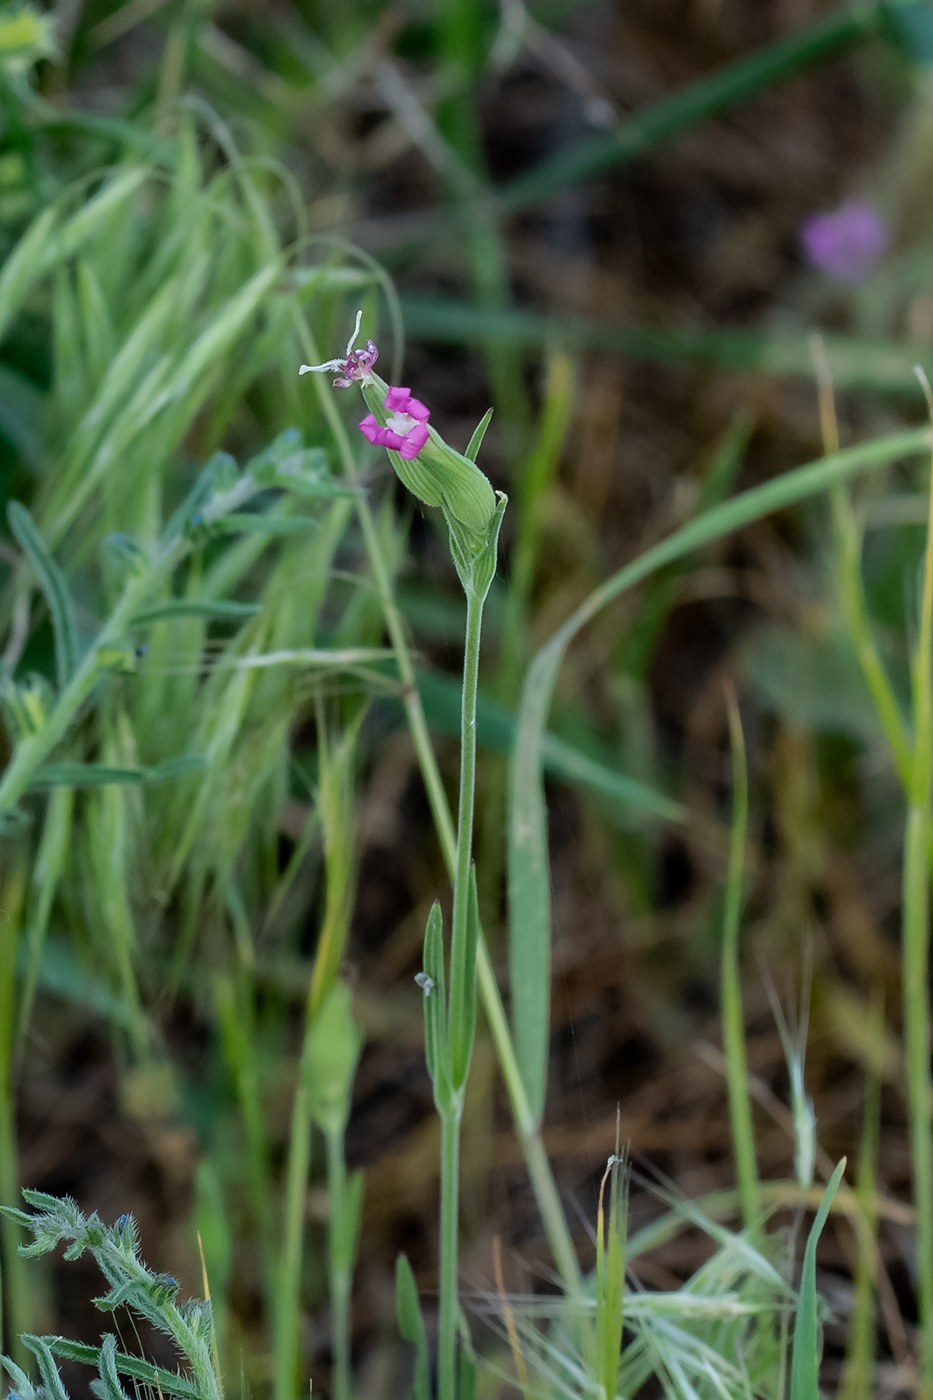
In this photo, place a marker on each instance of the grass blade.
(196, 607)
(411, 1326)
(95, 775)
(733, 1024)
(55, 589)
(805, 1366)
(916, 950)
(883, 366)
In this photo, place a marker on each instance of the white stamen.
(356, 330)
(321, 369)
(328, 365)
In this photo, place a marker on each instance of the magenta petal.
(378, 435)
(370, 428)
(416, 409)
(413, 442)
(397, 400)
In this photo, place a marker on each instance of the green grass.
(203, 607)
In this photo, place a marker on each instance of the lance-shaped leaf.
(55, 589)
(805, 1365)
(411, 1325)
(434, 986)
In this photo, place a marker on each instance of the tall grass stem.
(288, 1282)
(733, 1024)
(340, 1276)
(916, 956)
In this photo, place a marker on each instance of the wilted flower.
(356, 365)
(847, 242)
(406, 429)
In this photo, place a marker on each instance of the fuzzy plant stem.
(460, 943)
(450, 1218)
(536, 1160)
(462, 1013)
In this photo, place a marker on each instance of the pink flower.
(847, 242)
(355, 365)
(406, 429)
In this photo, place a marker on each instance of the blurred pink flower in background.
(848, 242)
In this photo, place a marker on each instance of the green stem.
(450, 1201)
(733, 1023)
(235, 1015)
(462, 1004)
(916, 901)
(14, 1297)
(861, 1342)
(289, 1280)
(855, 610)
(462, 947)
(339, 1273)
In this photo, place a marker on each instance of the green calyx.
(474, 553)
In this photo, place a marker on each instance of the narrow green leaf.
(411, 1326)
(178, 767)
(433, 984)
(25, 264)
(805, 1365)
(51, 1380)
(109, 1387)
(883, 366)
(476, 441)
(169, 1382)
(196, 607)
(466, 1376)
(246, 524)
(55, 589)
(22, 1385)
(733, 1021)
(90, 775)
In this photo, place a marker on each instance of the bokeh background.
(642, 323)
